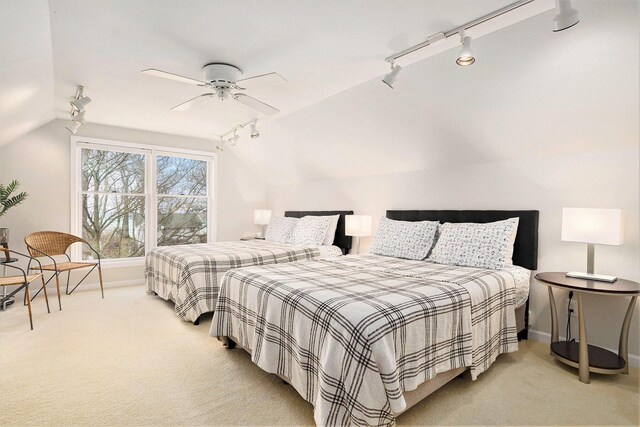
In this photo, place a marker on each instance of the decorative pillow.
(470, 244)
(280, 229)
(331, 231)
(404, 239)
(311, 230)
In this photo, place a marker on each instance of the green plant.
(6, 201)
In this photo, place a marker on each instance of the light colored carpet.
(128, 360)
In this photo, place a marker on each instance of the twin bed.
(365, 337)
(189, 275)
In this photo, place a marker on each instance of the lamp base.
(596, 277)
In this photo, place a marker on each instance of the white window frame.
(151, 152)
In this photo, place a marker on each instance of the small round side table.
(590, 358)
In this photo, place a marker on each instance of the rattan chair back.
(50, 242)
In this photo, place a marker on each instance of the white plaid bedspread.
(352, 334)
(190, 275)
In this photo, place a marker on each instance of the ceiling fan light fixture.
(567, 16)
(390, 78)
(254, 132)
(466, 56)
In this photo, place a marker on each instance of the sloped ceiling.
(321, 47)
(26, 68)
(531, 93)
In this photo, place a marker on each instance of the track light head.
(80, 104)
(254, 131)
(73, 127)
(390, 79)
(79, 118)
(465, 57)
(567, 16)
(234, 139)
(220, 147)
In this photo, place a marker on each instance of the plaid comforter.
(353, 334)
(189, 275)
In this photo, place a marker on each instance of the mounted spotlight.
(567, 16)
(79, 118)
(254, 131)
(73, 127)
(79, 102)
(390, 79)
(465, 57)
(234, 139)
(220, 147)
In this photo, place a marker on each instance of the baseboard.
(634, 359)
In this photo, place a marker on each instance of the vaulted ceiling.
(322, 48)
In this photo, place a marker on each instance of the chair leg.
(58, 289)
(100, 276)
(46, 297)
(26, 292)
(68, 277)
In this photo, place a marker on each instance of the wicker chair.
(22, 280)
(48, 244)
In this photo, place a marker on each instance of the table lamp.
(357, 226)
(593, 227)
(261, 217)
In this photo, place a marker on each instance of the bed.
(365, 337)
(189, 275)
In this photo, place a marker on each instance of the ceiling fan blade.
(263, 80)
(192, 102)
(255, 104)
(171, 76)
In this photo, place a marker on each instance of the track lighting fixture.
(234, 139)
(79, 102)
(465, 57)
(567, 16)
(220, 147)
(390, 78)
(73, 127)
(254, 131)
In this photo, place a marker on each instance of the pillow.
(311, 230)
(404, 239)
(280, 229)
(331, 231)
(470, 244)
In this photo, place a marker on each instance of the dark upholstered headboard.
(341, 240)
(525, 248)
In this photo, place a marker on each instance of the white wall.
(40, 161)
(541, 121)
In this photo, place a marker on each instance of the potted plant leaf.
(7, 201)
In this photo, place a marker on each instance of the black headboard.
(341, 240)
(525, 248)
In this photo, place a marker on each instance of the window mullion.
(152, 205)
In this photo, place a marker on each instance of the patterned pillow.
(311, 230)
(280, 229)
(404, 239)
(469, 244)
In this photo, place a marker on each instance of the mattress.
(189, 275)
(353, 334)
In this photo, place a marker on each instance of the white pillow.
(280, 229)
(404, 239)
(331, 231)
(470, 244)
(311, 230)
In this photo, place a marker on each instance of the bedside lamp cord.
(569, 312)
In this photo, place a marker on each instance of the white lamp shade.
(261, 216)
(358, 225)
(599, 226)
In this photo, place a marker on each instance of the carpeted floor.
(128, 360)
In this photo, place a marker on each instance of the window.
(129, 198)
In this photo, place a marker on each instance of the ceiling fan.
(223, 80)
